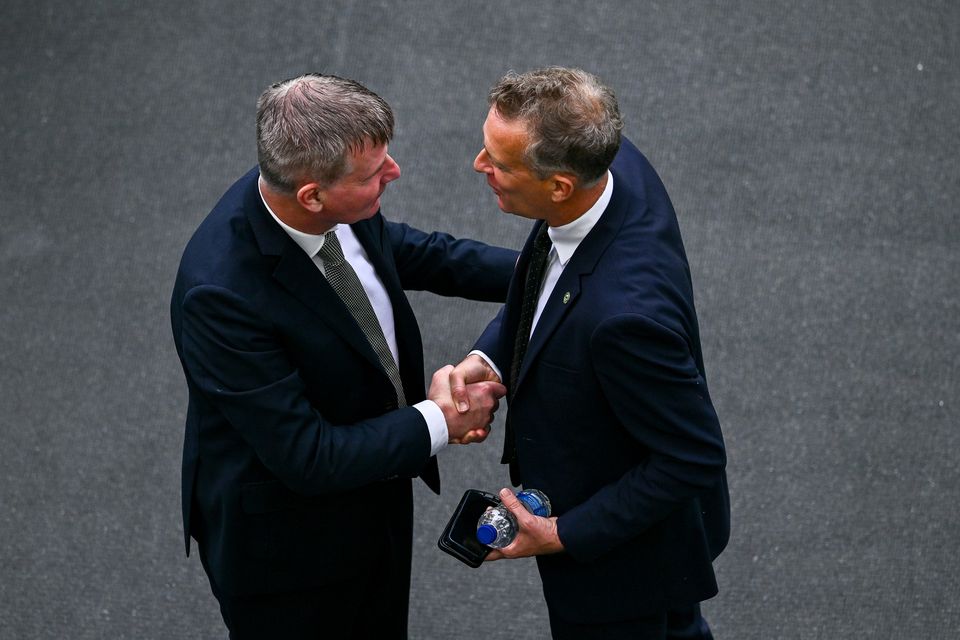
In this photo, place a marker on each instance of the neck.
(577, 204)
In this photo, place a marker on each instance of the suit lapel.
(565, 293)
(297, 273)
(562, 299)
(300, 276)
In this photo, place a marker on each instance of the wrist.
(556, 545)
(436, 421)
(492, 373)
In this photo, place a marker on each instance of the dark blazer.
(293, 436)
(611, 414)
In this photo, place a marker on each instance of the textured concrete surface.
(812, 151)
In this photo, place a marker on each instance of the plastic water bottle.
(497, 527)
(535, 501)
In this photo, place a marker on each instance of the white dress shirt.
(355, 255)
(565, 241)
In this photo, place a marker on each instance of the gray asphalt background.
(811, 150)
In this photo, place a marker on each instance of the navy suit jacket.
(611, 414)
(292, 425)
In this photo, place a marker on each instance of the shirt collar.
(309, 242)
(568, 237)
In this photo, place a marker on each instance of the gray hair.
(572, 119)
(307, 127)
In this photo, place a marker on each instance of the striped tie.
(345, 282)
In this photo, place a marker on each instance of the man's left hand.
(537, 535)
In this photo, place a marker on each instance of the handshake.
(469, 395)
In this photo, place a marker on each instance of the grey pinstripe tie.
(345, 282)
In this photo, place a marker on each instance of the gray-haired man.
(307, 416)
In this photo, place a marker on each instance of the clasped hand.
(471, 371)
(536, 536)
(482, 398)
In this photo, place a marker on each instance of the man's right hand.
(483, 398)
(471, 369)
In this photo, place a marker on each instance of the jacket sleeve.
(236, 362)
(651, 381)
(439, 263)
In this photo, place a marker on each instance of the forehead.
(505, 140)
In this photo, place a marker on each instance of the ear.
(310, 196)
(562, 188)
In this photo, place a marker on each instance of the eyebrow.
(377, 170)
(493, 158)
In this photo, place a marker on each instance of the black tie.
(528, 308)
(345, 282)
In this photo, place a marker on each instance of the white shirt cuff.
(436, 423)
(488, 361)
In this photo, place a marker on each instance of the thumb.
(458, 390)
(510, 501)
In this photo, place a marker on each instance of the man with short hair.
(307, 416)
(599, 348)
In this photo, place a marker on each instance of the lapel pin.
(566, 297)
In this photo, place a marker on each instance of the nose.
(481, 163)
(391, 170)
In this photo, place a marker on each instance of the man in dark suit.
(599, 347)
(307, 417)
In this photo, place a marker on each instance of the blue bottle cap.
(486, 533)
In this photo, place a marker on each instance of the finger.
(511, 502)
(496, 389)
(441, 377)
(479, 435)
(494, 555)
(458, 390)
(487, 393)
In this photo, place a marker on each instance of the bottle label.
(534, 504)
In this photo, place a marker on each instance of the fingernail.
(462, 407)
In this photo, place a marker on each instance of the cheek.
(501, 180)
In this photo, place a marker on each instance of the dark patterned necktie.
(528, 308)
(345, 282)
